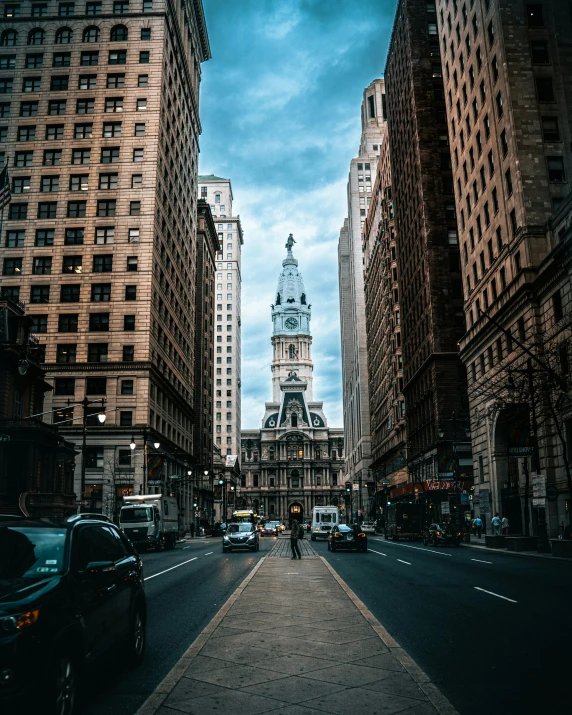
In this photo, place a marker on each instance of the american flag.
(5, 193)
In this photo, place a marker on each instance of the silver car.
(240, 536)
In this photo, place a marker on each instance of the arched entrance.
(511, 443)
(295, 511)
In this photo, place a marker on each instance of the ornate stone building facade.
(295, 461)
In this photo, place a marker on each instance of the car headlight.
(225, 538)
(252, 536)
(11, 624)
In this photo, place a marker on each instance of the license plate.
(350, 538)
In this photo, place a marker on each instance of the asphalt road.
(493, 630)
(185, 588)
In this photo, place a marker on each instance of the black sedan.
(436, 534)
(344, 536)
(71, 590)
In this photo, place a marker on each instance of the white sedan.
(368, 527)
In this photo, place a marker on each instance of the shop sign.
(437, 485)
(538, 486)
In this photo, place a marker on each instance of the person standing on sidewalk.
(294, 540)
(478, 524)
(505, 526)
(496, 522)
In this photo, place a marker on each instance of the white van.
(323, 518)
(150, 520)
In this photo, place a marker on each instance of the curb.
(435, 696)
(163, 690)
(544, 557)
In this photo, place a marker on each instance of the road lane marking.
(481, 561)
(495, 594)
(404, 562)
(377, 552)
(186, 547)
(418, 548)
(209, 553)
(172, 567)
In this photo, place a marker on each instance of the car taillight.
(458, 533)
(338, 536)
(438, 533)
(363, 535)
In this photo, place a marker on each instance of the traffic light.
(221, 482)
(195, 504)
(348, 487)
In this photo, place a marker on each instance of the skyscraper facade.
(295, 461)
(100, 128)
(506, 67)
(427, 251)
(217, 192)
(383, 327)
(351, 285)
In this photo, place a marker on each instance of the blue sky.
(280, 102)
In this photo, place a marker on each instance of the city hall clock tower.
(291, 338)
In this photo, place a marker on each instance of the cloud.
(280, 110)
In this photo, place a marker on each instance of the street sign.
(551, 492)
(539, 486)
(4, 437)
(385, 482)
(539, 503)
(154, 483)
(355, 487)
(445, 507)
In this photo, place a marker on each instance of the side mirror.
(95, 568)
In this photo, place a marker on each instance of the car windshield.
(345, 528)
(327, 517)
(136, 513)
(236, 528)
(31, 552)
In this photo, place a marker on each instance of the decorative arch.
(9, 38)
(91, 34)
(36, 37)
(119, 33)
(64, 36)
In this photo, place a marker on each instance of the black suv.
(436, 534)
(70, 590)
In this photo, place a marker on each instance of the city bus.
(247, 516)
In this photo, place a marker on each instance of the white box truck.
(323, 518)
(150, 521)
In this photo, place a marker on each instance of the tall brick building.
(383, 326)
(351, 280)
(99, 123)
(507, 67)
(427, 249)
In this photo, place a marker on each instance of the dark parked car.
(345, 536)
(442, 534)
(71, 590)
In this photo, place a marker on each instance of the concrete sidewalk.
(295, 640)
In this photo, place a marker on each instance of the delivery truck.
(150, 521)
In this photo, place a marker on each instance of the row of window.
(68, 323)
(71, 293)
(72, 236)
(67, 9)
(70, 265)
(66, 386)
(75, 209)
(53, 157)
(77, 182)
(96, 352)
(61, 60)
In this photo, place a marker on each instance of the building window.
(128, 322)
(556, 173)
(99, 322)
(66, 353)
(102, 264)
(97, 352)
(127, 387)
(104, 234)
(67, 323)
(42, 266)
(70, 293)
(76, 209)
(544, 89)
(550, 131)
(100, 292)
(131, 292)
(74, 237)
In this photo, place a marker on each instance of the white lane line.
(209, 553)
(186, 547)
(481, 561)
(376, 552)
(417, 548)
(495, 594)
(172, 567)
(404, 562)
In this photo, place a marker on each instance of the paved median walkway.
(282, 547)
(295, 640)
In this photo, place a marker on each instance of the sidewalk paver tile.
(237, 702)
(384, 661)
(294, 689)
(238, 676)
(357, 700)
(187, 688)
(347, 674)
(295, 664)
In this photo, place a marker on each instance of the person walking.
(478, 524)
(496, 522)
(505, 525)
(294, 540)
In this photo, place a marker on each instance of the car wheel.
(137, 639)
(64, 683)
(435, 542)
(312, 538)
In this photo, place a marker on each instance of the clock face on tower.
(291, 323)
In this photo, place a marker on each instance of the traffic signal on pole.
(221, 481)
(195, 504)
(348, 487)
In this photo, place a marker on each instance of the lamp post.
(85, 403)
(156, 445)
